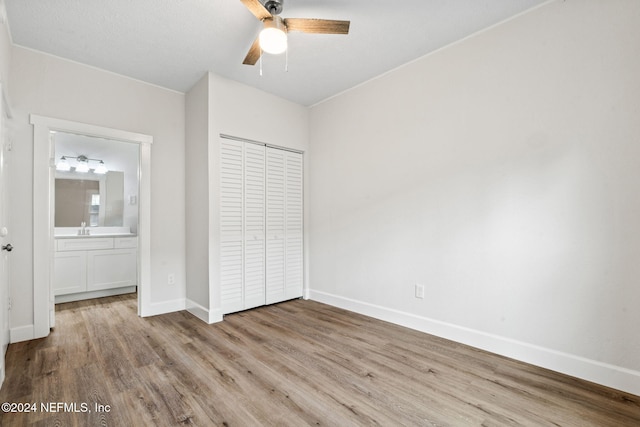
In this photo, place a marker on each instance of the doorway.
(45, 129)
(95, 217)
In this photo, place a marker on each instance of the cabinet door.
(70, 272)
(114, 268)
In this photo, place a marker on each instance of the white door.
(275, 225)
(253, 225)
(231, 226)
(284, 225)
(294, 261)
(4, 241)
(242, 225)
(261, 239)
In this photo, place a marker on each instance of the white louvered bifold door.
(275, 225)
(242, 225)
(284, 225)
(294, 262)
(254, 225)
(261, 227)
(231, 225)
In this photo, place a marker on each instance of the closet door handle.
(7, 247)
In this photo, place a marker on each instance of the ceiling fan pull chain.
(286, 61)
(261, 62)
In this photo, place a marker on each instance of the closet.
(261, 225)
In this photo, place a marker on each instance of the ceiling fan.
(273, 38)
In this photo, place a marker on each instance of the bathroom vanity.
(102, 263)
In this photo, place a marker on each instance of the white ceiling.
(172, 43)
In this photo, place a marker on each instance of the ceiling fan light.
(273, 38)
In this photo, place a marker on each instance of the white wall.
(241, 111)
(5, 47)
(197, 195)
(49, 86)
(502, 173)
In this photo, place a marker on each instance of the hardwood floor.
(293, 364)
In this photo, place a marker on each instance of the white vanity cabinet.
(70, 272)
(91, 267)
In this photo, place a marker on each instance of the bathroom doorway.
(95, 217)
(44, 243)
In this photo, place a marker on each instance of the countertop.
(95, 236)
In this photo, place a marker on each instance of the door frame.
(5, 235)
(43, 208)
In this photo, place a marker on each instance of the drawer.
(125, 242)
(84, 244)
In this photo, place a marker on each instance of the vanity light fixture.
(101, 168)
(63, 165)
(82, 164)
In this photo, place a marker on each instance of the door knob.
(7, 247)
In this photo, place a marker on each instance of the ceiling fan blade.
(257, 9)
(254, 53)
(317, 26)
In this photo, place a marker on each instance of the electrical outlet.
(171, 279)
(419, 290)
(9, 304)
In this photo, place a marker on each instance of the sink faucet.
(83, 230)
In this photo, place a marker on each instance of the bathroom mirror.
(96, 200)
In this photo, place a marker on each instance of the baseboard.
(94, 294)
(623, 379)
(204, 314)
(156, 308)
(21, 333)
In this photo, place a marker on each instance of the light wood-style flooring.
(297, 363)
